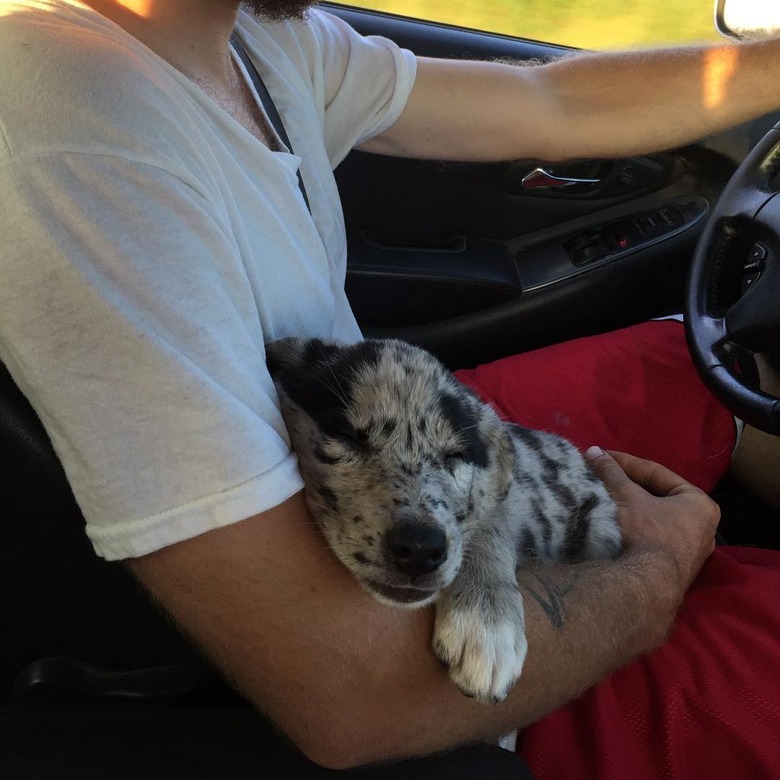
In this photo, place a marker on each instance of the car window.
(589, 24)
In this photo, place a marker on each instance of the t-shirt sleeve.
(361, 82)
(368, 81)
(135, 351)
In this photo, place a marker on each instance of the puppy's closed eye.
(336, 427)
(454, 456)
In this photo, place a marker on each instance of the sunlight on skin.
(139, 7)
(142, 9)
(192, 35)
(719, 68)
(187, 17)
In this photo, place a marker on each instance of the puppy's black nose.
(417, 549)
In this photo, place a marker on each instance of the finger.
(652, 476)
(607, 468)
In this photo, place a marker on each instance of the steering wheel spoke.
(753, 322)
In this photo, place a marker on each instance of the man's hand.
(659, 510)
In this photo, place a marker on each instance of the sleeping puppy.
(425, 495)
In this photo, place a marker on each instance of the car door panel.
(466, 261)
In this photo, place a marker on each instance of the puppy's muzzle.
(416, 549)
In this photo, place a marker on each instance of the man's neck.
(192, 35)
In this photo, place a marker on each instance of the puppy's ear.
(281, 354)
(293, 352)
(306, 371)
(318, 378)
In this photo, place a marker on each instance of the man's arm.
(589, 105)
(352, 681)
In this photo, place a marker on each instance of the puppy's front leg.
(479, 632)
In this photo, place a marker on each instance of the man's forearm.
(352, 681)
(659, 99)
(587, 620)
(583, 622)
(605, 104)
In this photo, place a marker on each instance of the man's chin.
(279, 10)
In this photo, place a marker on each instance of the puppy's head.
(400, 460)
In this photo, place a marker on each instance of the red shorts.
(706, 704)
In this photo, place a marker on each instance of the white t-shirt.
(151, 246)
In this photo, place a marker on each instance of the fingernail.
(594, 452)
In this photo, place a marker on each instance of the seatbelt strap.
(269, 106)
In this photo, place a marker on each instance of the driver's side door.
(474, 261)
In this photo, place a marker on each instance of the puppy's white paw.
(484, 649)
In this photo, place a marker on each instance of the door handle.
(539, 179)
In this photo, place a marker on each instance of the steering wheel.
(732, 305)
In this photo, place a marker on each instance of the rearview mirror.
(747, 18)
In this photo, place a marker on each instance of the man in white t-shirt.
(156, 238)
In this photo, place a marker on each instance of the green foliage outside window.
(588, 24)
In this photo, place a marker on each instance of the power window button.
(586, 255)
(660, 221)
(650, 223)
(671, 216)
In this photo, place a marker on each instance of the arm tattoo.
(550, 592)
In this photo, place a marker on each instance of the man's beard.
(278, 10)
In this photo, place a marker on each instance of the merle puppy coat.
(425, 495)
